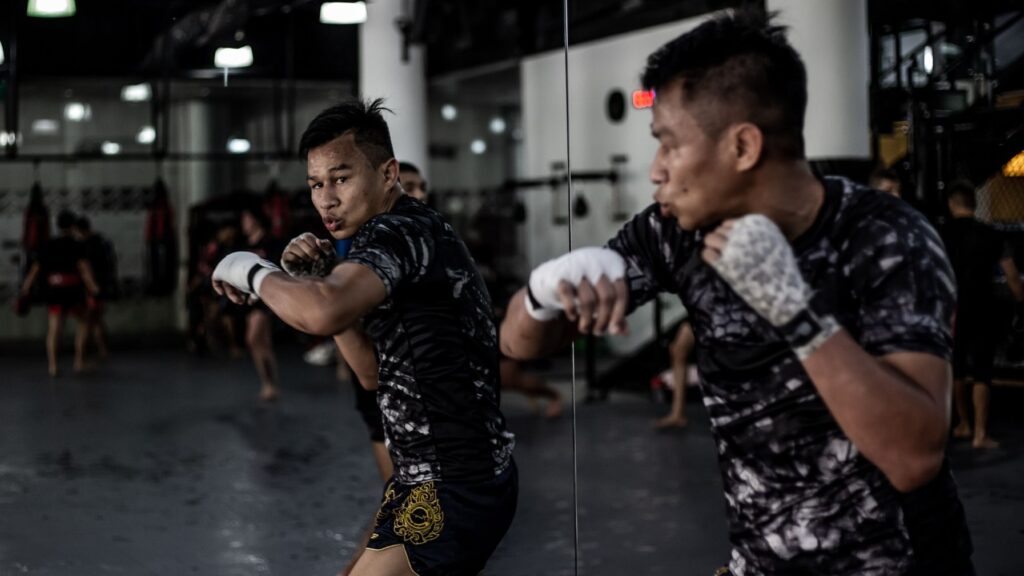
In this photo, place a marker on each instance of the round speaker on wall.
(615, 105)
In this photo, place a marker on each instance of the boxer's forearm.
(894, 409)
(357, 350)
(324, 306)
(524, 338)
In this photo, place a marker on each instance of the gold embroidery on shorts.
(389, 496)
(420, 519)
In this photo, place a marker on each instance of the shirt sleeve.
(397, 249)
(646, 244)
(905, 285)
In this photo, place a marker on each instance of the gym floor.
(164, 463)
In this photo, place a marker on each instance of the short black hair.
(408, 167)
(883, 174)
(363, 118)
(742, 64)
(963, 191)
(66, 219)
(83, 224)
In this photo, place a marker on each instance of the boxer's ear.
(389, 173)
(746, 142)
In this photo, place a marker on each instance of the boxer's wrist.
(536, 310)
(807, 331)
(258, 274)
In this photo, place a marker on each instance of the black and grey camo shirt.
(800, 498)
(437, 348)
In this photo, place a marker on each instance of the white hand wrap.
(317, 267)
(244, 270)
(758, 263)
(542, 302)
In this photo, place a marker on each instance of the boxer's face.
(695, 184)
(347, 189)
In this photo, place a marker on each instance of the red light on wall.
(643, 99)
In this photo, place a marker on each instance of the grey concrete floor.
(163, 463)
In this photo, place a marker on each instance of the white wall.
(832, 38)
(595, 69)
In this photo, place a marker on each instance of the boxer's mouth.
(331, 224)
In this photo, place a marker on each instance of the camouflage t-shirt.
(800, 498)
(437, 348)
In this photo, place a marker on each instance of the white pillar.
(195, 185)
(383, 74)
(832, 38)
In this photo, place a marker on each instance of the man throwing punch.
(410, 279)
(821, 311)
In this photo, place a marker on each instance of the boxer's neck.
(790, 195)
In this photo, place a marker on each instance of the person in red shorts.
(69, 287)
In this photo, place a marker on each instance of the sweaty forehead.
(340, 151)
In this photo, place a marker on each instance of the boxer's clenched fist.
(586, 284)
(307, 255)
(240, 274)
(755, 259)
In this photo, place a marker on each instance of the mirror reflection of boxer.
(69, 286)
(821, 311)
(411, 281)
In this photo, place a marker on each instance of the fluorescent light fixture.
(136, 93)
(343, 12)
(8, 138)
(1, 53)
(478, 146)
(928, 59)
(51, 8)
(110, 148)
(238, 145)
(77, 112)
(233, 57)
(497, 125)
(449, 112)
(44, 126)
(147, 135)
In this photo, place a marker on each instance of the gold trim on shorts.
(420, 519)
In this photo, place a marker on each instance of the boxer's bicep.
(355, 290)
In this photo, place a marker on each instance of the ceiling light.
(343, 12)
(44, 126)
(233, 57)
(8, 138)
(497, 125)
(1, 53)
(51, 8)
(135, 93)
(77, 112)
(147, 135)
(238, 145)
(478, 146)
(449, 112)
(110, 148)
(928, 59)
